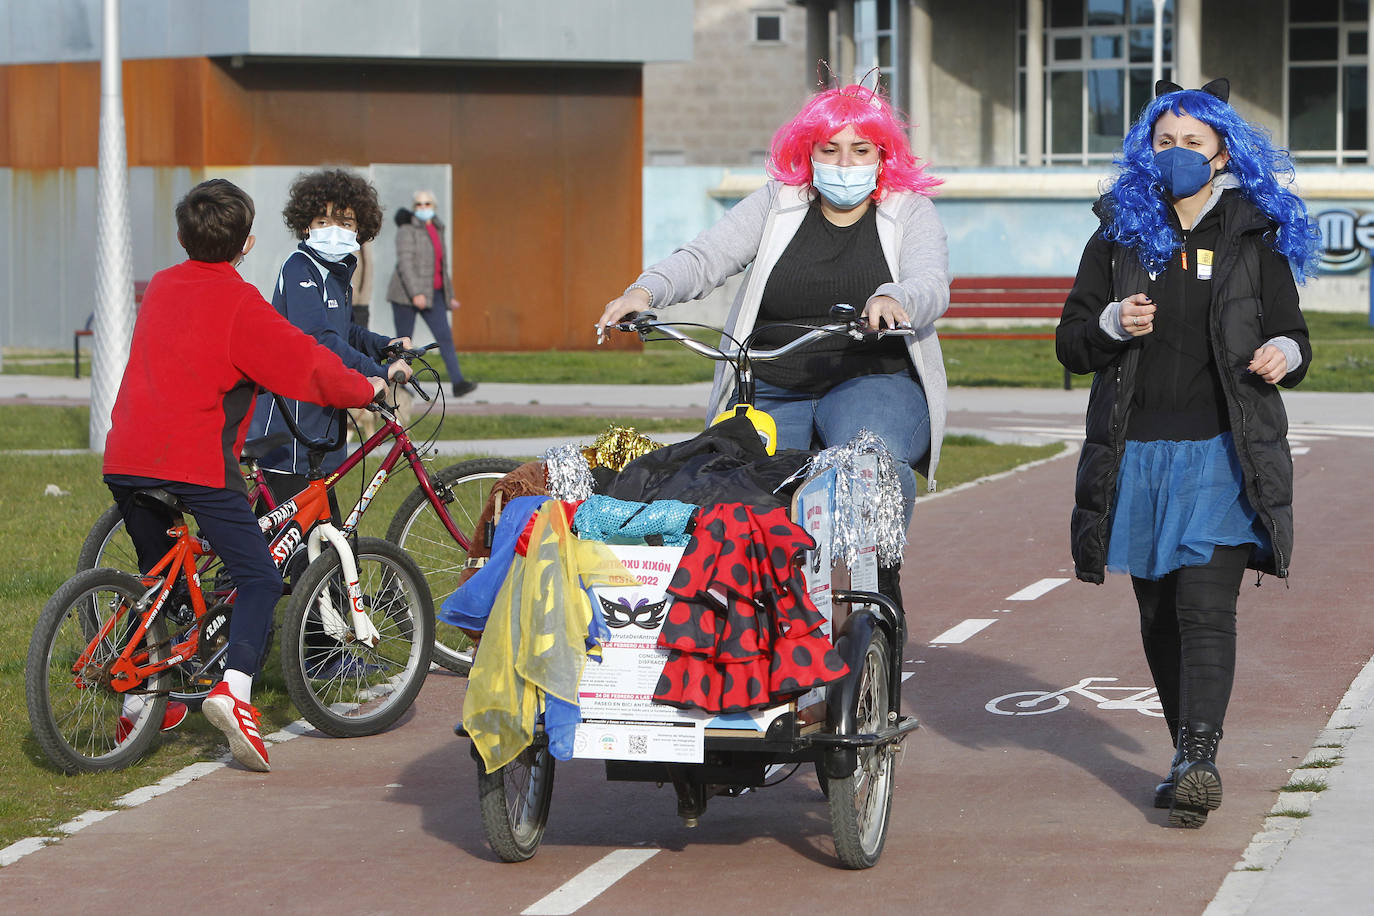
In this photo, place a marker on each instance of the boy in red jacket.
(204, 342)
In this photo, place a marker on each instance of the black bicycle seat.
(255, 449)
(155, 496)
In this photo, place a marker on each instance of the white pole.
(114, 280)
(1035, 82)
(1159, 43)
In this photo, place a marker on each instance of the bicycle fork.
(331, 619)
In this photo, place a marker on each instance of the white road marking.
(960, 632)
(1300, 450)
(1036, 589)
(906, 674)
(590, 882)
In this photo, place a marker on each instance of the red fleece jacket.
(204, 341)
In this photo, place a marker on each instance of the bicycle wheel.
(75, 715)
(417, 528)
(515, 802)
(349, 689)
(861, 802)
(108, 545)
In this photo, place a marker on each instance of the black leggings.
(1188, 626)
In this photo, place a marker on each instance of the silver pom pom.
(569, 477)
(866, 510)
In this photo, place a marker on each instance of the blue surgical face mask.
(845, 186)
(1184, 171)
(333, 243)
(424, 213)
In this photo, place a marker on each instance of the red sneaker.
(239, 722)
(173, 716)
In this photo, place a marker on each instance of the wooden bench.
(88, 331)
(1008, 298)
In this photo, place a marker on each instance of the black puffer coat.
(1253, 299)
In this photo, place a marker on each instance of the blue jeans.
(892, 407)
(437, 317)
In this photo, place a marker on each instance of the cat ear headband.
(1217, 88)
(826, 79)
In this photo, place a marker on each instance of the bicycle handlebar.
(846, 323)
(395, 351)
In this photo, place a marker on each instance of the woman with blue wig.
(1185, 307)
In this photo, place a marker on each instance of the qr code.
(639, 744)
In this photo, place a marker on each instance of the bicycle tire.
(108, 544)
(861, 803)
(417, 528)
(514, 802)
(75, 722)
(356, 690)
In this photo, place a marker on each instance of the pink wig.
(872, 118)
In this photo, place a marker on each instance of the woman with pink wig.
(846, 218)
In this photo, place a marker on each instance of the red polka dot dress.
(743, 631)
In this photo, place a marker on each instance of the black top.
(1179, 395)
(825, 264)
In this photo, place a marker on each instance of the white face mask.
(333, 243)
(424, 213)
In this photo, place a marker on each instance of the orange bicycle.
(357, 634)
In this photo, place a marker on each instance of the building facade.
(1023, 131)
(525, 116)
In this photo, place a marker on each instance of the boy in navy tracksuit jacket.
(204, 341)
(332, 212)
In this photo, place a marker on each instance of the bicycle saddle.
(155, 496)
(255, 449)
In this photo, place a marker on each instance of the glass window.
(875, 46)
(1106, 12)
(1354, 107)
(1142, 90)
(1106, 47)
(1065, 14)
(1066, 113)
(1313, 11)
(1326, 100)
(1098, 75)
(767, 27)
(1314, 44)
(1107, 110)
(1143, 13)
(1312, 103)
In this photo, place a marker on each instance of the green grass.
(1315, 784)
(40, 537)
(1325, 763)
(1342, 342)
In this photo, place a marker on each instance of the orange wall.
(546, 161)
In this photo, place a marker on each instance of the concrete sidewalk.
(1314, 863)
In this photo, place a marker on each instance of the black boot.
(1197, 784)
(890, 584)
(1164, 792)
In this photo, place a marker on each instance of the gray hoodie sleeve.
(714, 256)
(923, 265)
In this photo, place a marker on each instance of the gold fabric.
(536, 638)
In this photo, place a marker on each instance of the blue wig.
(1140, 219)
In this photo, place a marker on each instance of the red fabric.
(204, 340)
(437, 241)
(743, 630)
(522, 543)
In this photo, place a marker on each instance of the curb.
(1249, 877)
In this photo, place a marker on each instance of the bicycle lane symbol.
(1144, 700)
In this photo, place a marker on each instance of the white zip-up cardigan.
(758, 230)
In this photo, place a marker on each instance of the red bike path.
(992, 813)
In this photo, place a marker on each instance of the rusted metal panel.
(545, 210)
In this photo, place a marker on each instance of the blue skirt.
(1175, 501)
